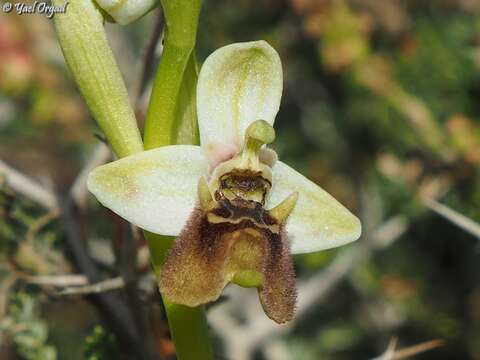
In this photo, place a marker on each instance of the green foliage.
(101, 345)
(26, 330)
(442, 57)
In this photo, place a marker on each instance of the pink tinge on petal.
(217, 153)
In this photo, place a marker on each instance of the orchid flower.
(238, 212)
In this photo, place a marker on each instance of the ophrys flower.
(237, 210)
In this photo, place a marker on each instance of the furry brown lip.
(237, 241)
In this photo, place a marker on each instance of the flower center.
(243, 184)
(245, 177)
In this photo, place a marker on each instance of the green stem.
(84, 44)
(190, 331)
(171, 119)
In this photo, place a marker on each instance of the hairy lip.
(229, 239)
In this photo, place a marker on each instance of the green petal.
(318, 221)
(155, 190)
(237, 84)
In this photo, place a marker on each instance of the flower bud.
(126, 11)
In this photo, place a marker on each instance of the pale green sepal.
(88, 55)
(155, 190)
(126, 11)
(237, 84)
(318, 221)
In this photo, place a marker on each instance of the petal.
(155, 190)
(318, 221)
(126, 11)
(238, 84)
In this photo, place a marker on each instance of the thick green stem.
(90, 59)
(171, 119)
(189, 330)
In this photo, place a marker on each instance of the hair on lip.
(231, 237)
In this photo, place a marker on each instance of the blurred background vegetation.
(381, 107)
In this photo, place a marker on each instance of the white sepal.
(155, 190)
(237, 84)
(318, 221)
(126, 11)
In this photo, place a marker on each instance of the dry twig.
(392, 354)
(57, 280)
(97, 288)
(455, 217)
(28, 187)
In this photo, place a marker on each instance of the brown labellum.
(234, 240)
